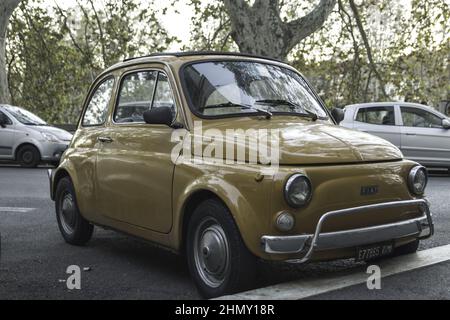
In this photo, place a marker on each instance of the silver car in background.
(27, 139)
(420, 132)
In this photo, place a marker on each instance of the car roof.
(388, 103)
(7, 106)
(190, 56)
(194, 54)
(393, 103)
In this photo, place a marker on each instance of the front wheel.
(219, 261)
(73, 227)
(28, 156)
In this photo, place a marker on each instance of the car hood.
(61, 134)
(303, 142)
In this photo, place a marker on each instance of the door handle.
(411, 134)
(105, 139)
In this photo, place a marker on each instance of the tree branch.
(239, 12)
(306, 25)
(100, 30)
(72, 37)
(367, 46)
(267, 5)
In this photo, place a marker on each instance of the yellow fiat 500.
(229, 158)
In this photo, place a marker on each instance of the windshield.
(26, 117)
(239, 87)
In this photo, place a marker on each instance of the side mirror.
(446, 124)
(161, 115)
(338, 114)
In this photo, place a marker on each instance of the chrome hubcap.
(67, 213)
(211, 252)
(27, 156)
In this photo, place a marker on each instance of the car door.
(423, 137)
(85, 143)
(134, 166)
(380, 121)
(7, 132)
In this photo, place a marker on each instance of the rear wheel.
(219, 261)
(28, 156)
(73, 227)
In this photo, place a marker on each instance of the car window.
(163, 94)
(240, 88)
(6, 118)
(377, 115)
(135, 96)
(25, 117)
(97, 109)
(415, 117)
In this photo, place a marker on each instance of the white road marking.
(15, 209)
(310, 287)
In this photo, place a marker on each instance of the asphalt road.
(34, 256)
(431, 282)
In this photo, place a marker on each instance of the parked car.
(336, 193)
(420, 132)
(28, 140)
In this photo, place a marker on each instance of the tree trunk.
(260, 30)
(6, 9)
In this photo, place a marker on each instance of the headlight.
(417, 180)
(297, 190)
(50, 137)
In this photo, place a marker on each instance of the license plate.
(373, 251)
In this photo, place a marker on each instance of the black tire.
(55, 164)
(73, 227)
(28, 156)
(408, 248)
(239, 273)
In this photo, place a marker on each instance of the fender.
(84, 188)
(253, 219)
(25, 140)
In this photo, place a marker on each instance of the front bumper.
(307, 244)
(52, 151)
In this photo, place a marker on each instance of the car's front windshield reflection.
(26, 117)
(241, 87)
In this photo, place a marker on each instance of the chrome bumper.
(307, 244)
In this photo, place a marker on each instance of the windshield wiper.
(293, 106)
(268, 114)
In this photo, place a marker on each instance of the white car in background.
(29, 140)
(420, 132)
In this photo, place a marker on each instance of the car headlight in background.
(417, 180)
(297, 190)
(50, 137)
